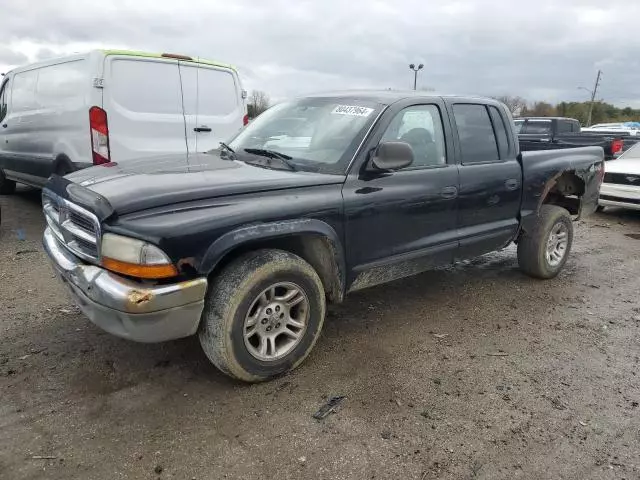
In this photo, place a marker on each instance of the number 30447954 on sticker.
(352, 110)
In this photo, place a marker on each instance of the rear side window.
(501, 132)
(217, 92)
(62, 85)
(564, 126)
(4, 100)
(537, 127)
(143, 86)
(23, 92)
(477, 139)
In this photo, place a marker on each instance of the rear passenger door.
(212, 104)
(490, 178)
(143, 101)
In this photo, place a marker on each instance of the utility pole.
(593, 97)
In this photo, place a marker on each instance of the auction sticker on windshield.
(352, 110)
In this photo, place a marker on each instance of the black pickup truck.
(316, 198)
(551, 133)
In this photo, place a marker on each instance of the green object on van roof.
(133, 53)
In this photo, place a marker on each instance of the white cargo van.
(112, 106)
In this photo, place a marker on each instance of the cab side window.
(4, 100)
(421, 127)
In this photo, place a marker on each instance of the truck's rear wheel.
(263, 315)
(543, 252)
(7, 187)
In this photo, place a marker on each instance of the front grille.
(612, 198)
(622, 179)
(76, 228)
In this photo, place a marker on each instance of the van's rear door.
(213, 104)
(143, 101)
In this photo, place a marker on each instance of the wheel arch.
(565, 189)
(313, 240)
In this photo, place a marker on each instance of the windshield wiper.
(227, 148)
(272, 155)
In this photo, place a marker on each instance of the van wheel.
(7, 187)
(543, 252)
(263, 314)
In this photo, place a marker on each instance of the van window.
(23, 92)
(477, 139)
(216, 93)
(144, 86)
(4, 97)
(62, 85)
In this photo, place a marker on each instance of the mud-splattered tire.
(543, 252)
(7, 187)
(231, 304)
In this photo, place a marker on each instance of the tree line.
(602, 112)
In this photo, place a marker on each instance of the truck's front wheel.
(543, 252)
(263, 315)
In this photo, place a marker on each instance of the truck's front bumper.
(126, 308)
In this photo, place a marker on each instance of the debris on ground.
(29, 250)
(43, 457)
(386, 434)
(332, 404)
(556, 403)
(441, 335)
(498, 354)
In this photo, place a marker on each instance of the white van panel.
(47, 116)
(143, 101)
(212, 99)
(62, 94)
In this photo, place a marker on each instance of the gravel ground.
(471, 372)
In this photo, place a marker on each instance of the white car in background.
(613, 129)
(109, 106)
(621, 185)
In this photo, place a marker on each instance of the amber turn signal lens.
(139, 271)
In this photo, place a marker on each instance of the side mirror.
(392, 156)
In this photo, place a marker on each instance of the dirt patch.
(468, 372)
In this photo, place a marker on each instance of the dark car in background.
(550, 133)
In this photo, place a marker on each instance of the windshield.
(317, 134)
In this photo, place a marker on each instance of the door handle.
(511, 184)
(449, 192)
(202, 128)
(4, 125)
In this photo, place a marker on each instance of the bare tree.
(258, 103)
(515, 104)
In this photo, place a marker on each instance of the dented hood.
(158, 181)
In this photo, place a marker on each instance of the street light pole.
(415, 73)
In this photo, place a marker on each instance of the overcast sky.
(540, 50)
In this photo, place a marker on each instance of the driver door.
(403, 222)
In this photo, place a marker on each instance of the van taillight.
(616, 145)
(99, 135)
(245, 120)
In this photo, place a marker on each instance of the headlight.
(135, 258)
